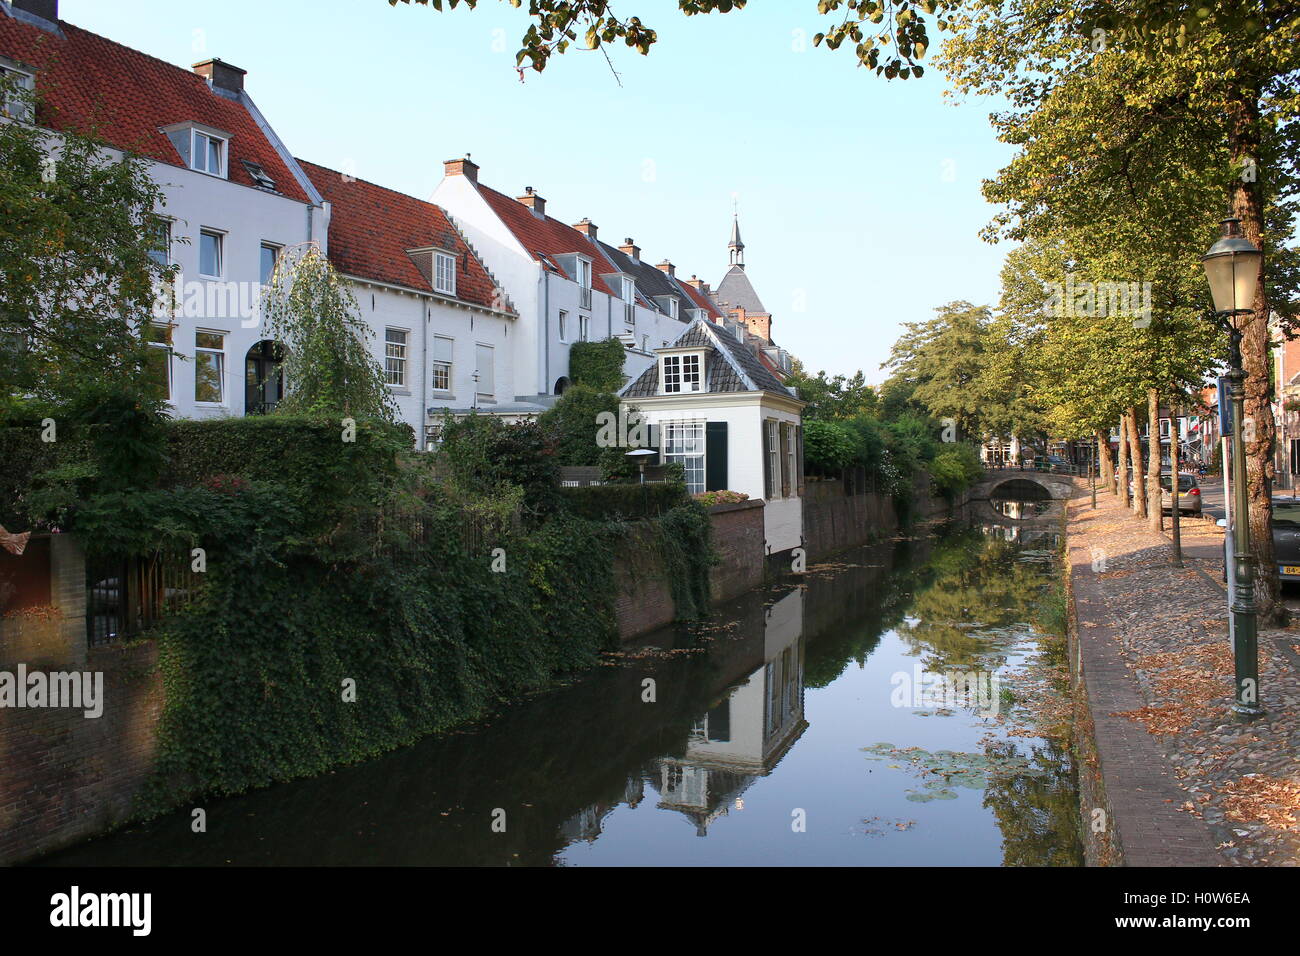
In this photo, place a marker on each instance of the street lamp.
(1232, 267)
(641, 456)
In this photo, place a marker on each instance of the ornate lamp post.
(1232, 267)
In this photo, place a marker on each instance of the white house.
(234, 197)
(566, 285)
(442, 327)
(718, 410)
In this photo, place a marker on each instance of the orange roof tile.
(90, 83)
(371, 229)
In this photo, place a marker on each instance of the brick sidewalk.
(1186, 783)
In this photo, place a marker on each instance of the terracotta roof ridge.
(130, 49)
(368, 182)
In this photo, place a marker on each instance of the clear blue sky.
(859, 198)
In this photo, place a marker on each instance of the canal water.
(874, 713)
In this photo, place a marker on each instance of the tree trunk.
(1175, 500)
(1121, 476)
(1248, 206)
(1105, 466)
(1154, 516)
(1135, 456)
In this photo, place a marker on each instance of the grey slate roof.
(735, 290)
(730, 365)
(650, 280)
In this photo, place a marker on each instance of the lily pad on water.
(951, 768)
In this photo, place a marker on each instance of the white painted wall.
(541, 355)
(246, 217)
(423, 317)
(744, 413)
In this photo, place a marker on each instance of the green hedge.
(626, 502)
(254, 672)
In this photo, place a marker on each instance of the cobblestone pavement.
(1240, 779)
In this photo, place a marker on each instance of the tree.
(328, 366)
(840, 397)
(78, 279)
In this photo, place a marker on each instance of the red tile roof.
(547, 237)
(701, 300)
(371, 228)
(86, 81)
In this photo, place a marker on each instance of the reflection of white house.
(746, 733)
(726, 417)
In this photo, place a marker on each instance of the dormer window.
(584, 283)
(208, 154)
(444, 277)
(682, 373)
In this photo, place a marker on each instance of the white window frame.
(564, 321)
(444, 273)
(584, 327)
(27, 80)
(276, 248)
(396, 354)
(584, 283)
(164, 226)
(446, 365)
(167, 347)
(221, 253)
(677, 372)
(683, 441)
(220, 363)
(223, 158)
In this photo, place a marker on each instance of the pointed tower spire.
(736, 246)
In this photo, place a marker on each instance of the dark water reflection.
(760, 723)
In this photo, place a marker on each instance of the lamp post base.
(1247, 712)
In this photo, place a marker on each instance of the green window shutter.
(784, 447)
(767, 461)
(798, 434)
(715, 456)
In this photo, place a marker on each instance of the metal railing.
(125, 596)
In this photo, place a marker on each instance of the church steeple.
(736, 246)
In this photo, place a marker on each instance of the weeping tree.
(329, 367)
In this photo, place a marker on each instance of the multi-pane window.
(773, 449)
(208, 154)
(158, 360)
(486, 371)
(684, 442)
(210, 253)
(442, 348)
(444, 273)
(268, 256)
(395, 356)
(629, 301)
(681, 373)
(209, 367)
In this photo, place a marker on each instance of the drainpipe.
(420, 438)
(546, 332)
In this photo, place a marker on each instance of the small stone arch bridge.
(1022, 486)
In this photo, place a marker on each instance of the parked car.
(1286, 538)
(1189, 494)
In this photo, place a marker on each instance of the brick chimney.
(45, 9)
(587, 228)
(630, 248)
(461, 167)
(667, 267)
(533, 201)
(699, 285)
(221, 75)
